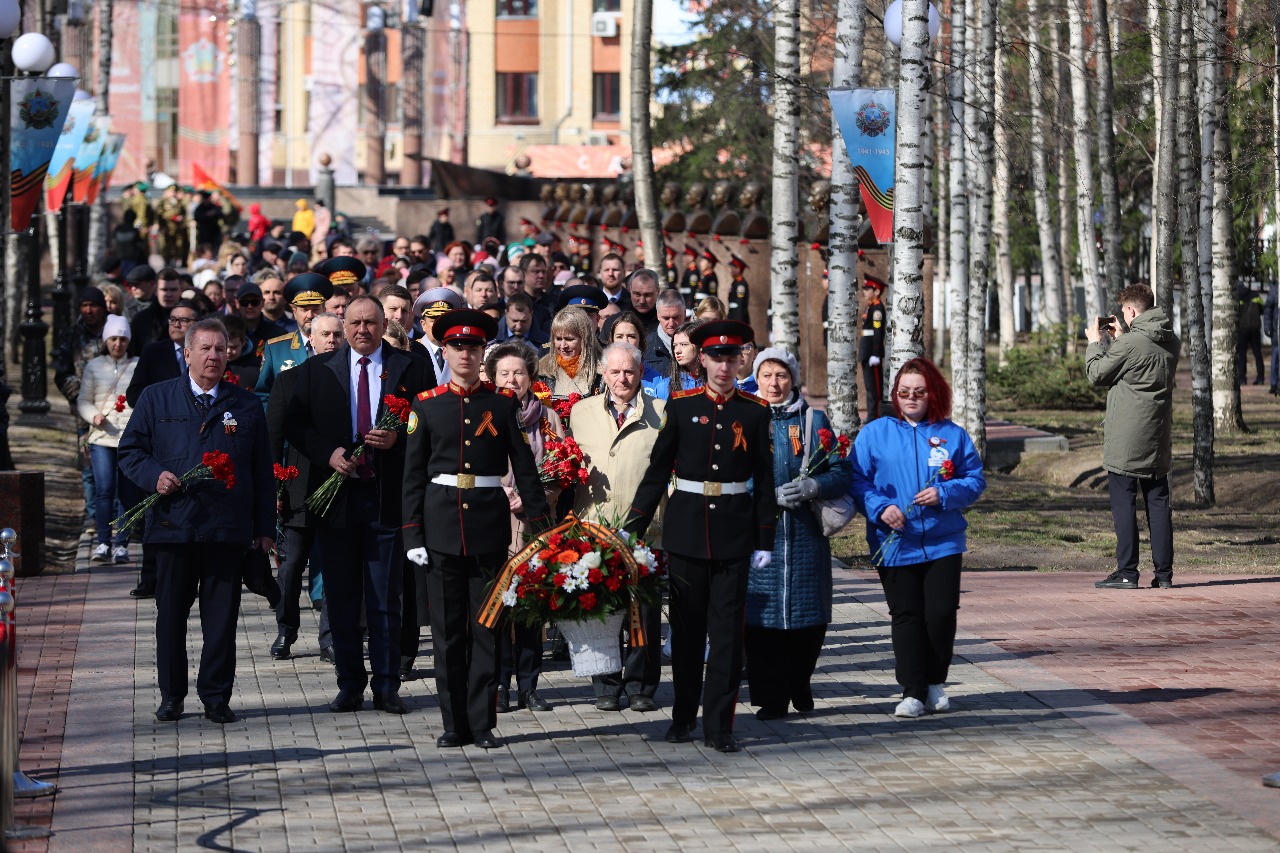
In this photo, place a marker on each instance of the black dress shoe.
(803, 700)
(390, 702)
(1162, 583)
(486, 740)
(326, 655)
(766, 714)
(448, 740)
(721, 742)
(284, 642)
(531, 700)
(406, 671)
(144, 590)
(608, 703)
(220, 713)
(1117, 580)
(170, 711)
(504, 700)
(347, 701)
(679, 733)
(643, 703)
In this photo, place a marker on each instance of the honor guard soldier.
(715, 439)
(670, 275)
(871, 345)
(462, 439)
(739, 292)
(708, 284)
(307, 294)
(691, 280)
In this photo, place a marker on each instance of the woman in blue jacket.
(912, 476)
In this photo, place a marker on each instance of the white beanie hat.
(781, 356)
(116, 327)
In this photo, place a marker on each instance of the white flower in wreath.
(535, 562)
(590, 560)
(509, 598)
(643, 556)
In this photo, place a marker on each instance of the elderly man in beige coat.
(616, 430)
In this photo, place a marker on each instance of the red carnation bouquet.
(565, 405)
(121, 403)
(395, 415)
(830, 445)
(542, 391)
(283, 475)
(214, 465)
(946, 471)
(563, 464)
(231, 378)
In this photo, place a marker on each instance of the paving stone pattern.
(1013, 768)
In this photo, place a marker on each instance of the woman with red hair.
(913, 475)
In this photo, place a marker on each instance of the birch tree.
(1000, 215)
(784, 260)
(907, 328)
(842, 265)
(1062, 147)
(1083, 149)
(1156, 31)
(1206, 52)
(1165, 213)
(1051, 311)
(958, 275)
(1189, 227)
(642, 133)
(942, 227)
(979, 126)
(1109, 179)
(98, 214)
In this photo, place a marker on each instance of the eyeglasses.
(181, 321)
(915, 394)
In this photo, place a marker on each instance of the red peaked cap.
(464, 324)
(872, 281)
(722, 337)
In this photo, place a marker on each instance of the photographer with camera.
(1138, 367)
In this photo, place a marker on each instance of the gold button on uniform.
(715, 467)
(466, 399)
(467, 442)
(717, 447)
(466, 464)
(466, 420)
(466, 506)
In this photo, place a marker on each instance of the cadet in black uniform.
(871, 345)
(708, 284)
(671, 275)
(691, 280)
(739, 292)
(461, 439)
(715, 439)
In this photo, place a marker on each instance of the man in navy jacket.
(200, 529)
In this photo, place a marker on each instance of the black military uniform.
(707, 284)
(691, 280)
(712, 524)
(670, 274)
(491, 224)
(871, 345)
(461, 442)
(739, 292)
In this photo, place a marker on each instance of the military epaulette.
(281, 338)
(688, 392)
(506, 392)
(747, 395)
(434, 392)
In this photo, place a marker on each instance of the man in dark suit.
(336, 402)
(200, 529)
(298, 526)
(148, 325)
(659, 346)
(715, 439)
(462, 439)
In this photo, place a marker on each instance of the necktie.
(364, 418)
(204, 401)
(310, 350)
(440, 359)
(182, 359)
(622, 414)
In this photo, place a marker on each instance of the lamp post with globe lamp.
(10, 20)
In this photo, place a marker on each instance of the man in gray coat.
(1137, 365)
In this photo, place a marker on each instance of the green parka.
(1138, 367)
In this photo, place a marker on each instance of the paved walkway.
(1085, 721)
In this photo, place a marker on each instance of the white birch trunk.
(842, 264)
(1082, 140)
(1166, 210)
(958, 277)
(980, 108)
(784, 261)
(907, 319)
(1066, 212)
(1109, 179)
(942, 233)
(641, 133)
(1155, 27)
(1051, 309)
(1000, 216)
(1227, 417)
(1208, 71)
(98, 213)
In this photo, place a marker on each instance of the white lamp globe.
(893, 23)
(82, 95)
(64, 69)
(10, 18)
(33, 53)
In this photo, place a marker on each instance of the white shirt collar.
(196, 390)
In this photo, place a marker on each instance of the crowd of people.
(289, 360)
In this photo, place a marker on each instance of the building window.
(517, 8)
(606, 6)
(518, 97)
(606, 100)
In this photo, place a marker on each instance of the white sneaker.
(101, 554)
(937, 700)
(909, 707)
(120, 554)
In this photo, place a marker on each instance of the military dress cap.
(465, 325)
(668, 251)
(872, 281)
(308, 290)
(709, 255)
(582, 296)
(141, 273)
(527, 223)
(722, 337)
(736, 262)
(444, 211)
(344, 271)
(690, 252)
(491, 201)
(437, 301)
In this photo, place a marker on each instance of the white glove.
(760, 559)
(874, 361)
(417, 555)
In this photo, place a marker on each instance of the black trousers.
(211, 570)
(465, 656)
(360, 568)
(873, 382)
(780, 665)
(1250, 340)
(295, 547)
(923, 599)
(519, 650)
(1124, 512)
(641, 665)
(411, 620)
(708, 600)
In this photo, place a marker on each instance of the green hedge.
(1041, 374)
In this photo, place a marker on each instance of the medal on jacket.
(793, 433)
(229, 423)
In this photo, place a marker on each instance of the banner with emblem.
(58, 179)
(204, 90)
(106, 165)
(38, 108)
(87, 158)
(868, 125)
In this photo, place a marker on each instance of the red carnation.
(827, 439)
(121, 403)
(587, 600)
(948, 469)
(613, 582)
(220, 466)
(397, 406)
(595, 576)
(842, 445)
(231, 378)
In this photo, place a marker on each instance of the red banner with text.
(204, 88)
